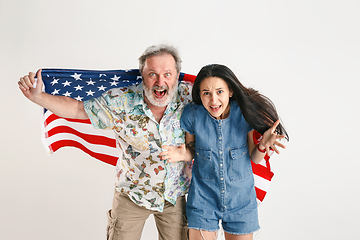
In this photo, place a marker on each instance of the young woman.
(219, 125)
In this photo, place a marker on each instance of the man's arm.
(60, 105)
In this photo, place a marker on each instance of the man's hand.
(173, 154)
(26, 85)
(60, 105)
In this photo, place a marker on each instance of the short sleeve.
(187, 119)
(249, 128)
(101, 110)
(184, 90)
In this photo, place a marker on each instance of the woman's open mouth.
(215, 108)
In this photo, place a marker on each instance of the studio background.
(304, 55)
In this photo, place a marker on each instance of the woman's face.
(215, 95)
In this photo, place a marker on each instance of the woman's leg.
(229, 236)
(195, 234)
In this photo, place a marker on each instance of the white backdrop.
(304, 55)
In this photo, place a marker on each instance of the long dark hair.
(258, 110)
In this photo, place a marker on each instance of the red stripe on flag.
(93, 139)
(260, 194)
(262, 171)
(70, 143)
(189, 78)
(54, 117)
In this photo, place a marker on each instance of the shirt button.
(222, 191)
(220, 164)
(221, 179)
(220, 138)
(220, 152)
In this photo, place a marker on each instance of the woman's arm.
(185, 152)
(269, 140)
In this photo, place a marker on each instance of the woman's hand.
(270, 139)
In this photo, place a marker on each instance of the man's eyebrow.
(153, 70)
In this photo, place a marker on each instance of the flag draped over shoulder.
(83, 85)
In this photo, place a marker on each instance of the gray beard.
(163, 103)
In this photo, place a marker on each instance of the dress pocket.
(240, 166)
(203, 166)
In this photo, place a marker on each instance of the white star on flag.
(90, 93)
(79, 98)
(115, 78)
(101, 88)
(114, 83)
(56, 91)
(76, 76)
(66, 83)
(90, 82)
(54, 81)
(78, 87)
(67, 94)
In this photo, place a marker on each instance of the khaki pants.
(126, 220)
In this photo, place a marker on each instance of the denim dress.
(222, 185)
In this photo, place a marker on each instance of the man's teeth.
(160, 92)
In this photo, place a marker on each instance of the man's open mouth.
(160, 92)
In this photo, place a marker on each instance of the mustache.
(157, 88)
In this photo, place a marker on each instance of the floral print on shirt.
(141, 173)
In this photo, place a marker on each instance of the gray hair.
(158, 50)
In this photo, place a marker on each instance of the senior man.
(144, 117)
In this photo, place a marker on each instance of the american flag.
(82, 85)
(262, 172)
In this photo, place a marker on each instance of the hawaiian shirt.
(140, 172)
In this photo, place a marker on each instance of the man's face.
(160, 79)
